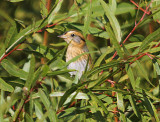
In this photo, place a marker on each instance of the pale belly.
(80, 64)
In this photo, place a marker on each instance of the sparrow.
(76, 46)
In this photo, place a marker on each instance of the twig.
(45, 39)
(157, 45)
(147, 12)
(133, 29)
(41, 30)
(9, 52)
(26, 99)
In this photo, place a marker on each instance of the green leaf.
(10, 35)
(83, 115)
(40, 51)
(151, 37)
(13, 70)
(31, 73)
(44, 99)
(28, 118)
(132, 45)
(54, 11)
(114, 40)
(96, 6)
(79, 95)
(16, 113)
(130, 75)
(44, 11)
(2, 51)
(157, 67)
(113, 5)
(100, 59)
(59, 44)
(136, 38)
(125, 8)
(19, 38)
(51, 114)
(87, 20)
(4, 86)
(92, 30)
(38, 110)
(7, 17)
(70, 91)
(15, 0)
(67, 94)
(45, 69)
(155, 111)
(50, 30)
(113, 20)
(98, 33)
(156, 10)
(36, 76)
(123, 117)
(124, 92)
(150, 95)
(120, 102)
(154, 50)
(106, 66)
(57, 64)
(150, 107)
(59, 72)
(95, 98)
(134, 106)
(143, 72)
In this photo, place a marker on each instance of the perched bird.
(77, 46)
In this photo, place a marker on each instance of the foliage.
(124, 82)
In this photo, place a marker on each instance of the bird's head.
(73, 37)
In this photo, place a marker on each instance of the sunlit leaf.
(113, 20)
(31, 73)
(95, 98)
(114, 41)
(120, 102)
(134, 106)
(15, 0)
(54, 11)
(13, 69)
(5, 87)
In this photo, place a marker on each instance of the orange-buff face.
(77, 46)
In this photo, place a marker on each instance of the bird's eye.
(72, 35)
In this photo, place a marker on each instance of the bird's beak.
(62, 36)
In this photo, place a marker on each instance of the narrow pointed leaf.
(130, 75)
(87, 19)
(143, 72)
(4, 86)
(13, 69)
(113, 20)
(31, 73)
(134, 106)
(114, 40)
(95, 98)
(120, 102)
(151, 37)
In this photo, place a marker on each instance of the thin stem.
(133, 29)
(147, 12)
(10, 52)
(1, 58)
(45, 39)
